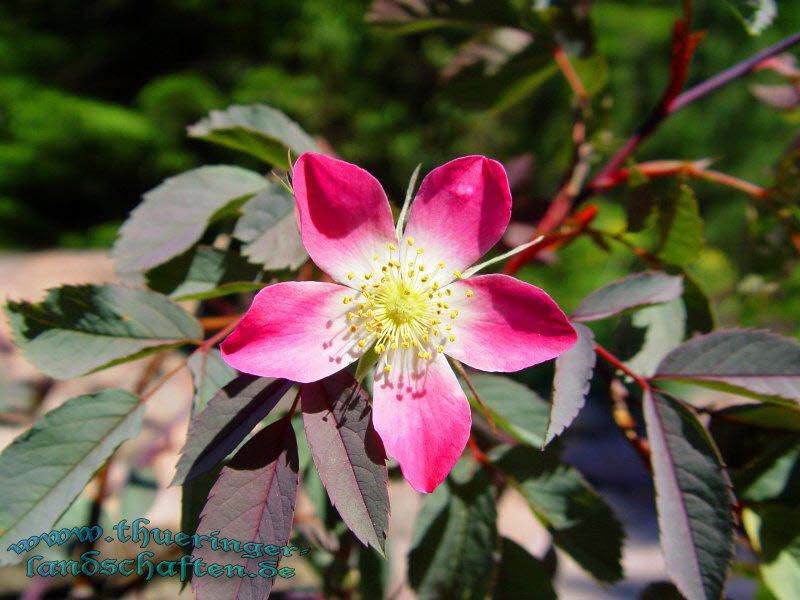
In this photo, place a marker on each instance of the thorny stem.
(663, 110)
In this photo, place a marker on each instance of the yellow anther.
(470, 293)
(453, 313)
(385, 268)
(392, 247)
(353, 328)
(394, 345)
(362, 343)
(425, 337)
(375, 257)
(351, 276)
(410, 272)
(423, 354)
(447, 292)
(420, 250)
(351, 315)
(440, 348)
(448, 328)
(347, 300)
(380, 348)
(440, 264)
(452, 338)
(406, 345)
(434, 286)
(424, 278)
(387, 368)
(367, 276)
(457, 274)
(435, 331)
(421, 267)
(410, 241)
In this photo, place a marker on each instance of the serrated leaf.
(252, 501)
(515, 408)
(571, 382)
(693, 499)
(682, 228)
(665, 327)
(453, 536)
(45, 468)
(204, 272)
(521, 576)
(348, 454)
(269, 227)
(173, 216)
(257, 129)
(639, 289)
(210, 374)
(79, 329)
(230, 415)
(749, 361)
(580, 521)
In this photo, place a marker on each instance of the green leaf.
(252, 501)
(174, 216)
(204, 272)
(746, 361)
(681, 226)
(373, 573)
(348, 454)
(580, 521)
(571, 382)
(774, 530)
(230, 416)
(699, 313)
(768, 416)
(515, 408)
(257, 129)
(269, 228)
(693, 499)
(772, 475)
(210, 374)
(660, 590)
(665, 327)
(79, 329)
(521, 576)
(755, 15)
(639, 289)
(44, 469)
(454, 536)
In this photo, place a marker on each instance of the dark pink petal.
(461, 210)
(506, 325)
(295, 330)
(345, 217)
(423, 418)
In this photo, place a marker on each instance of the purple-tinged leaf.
(210, 374)
(783, 97)
(252, 501)
(230, 415)
(748, 361)
(640, 289)
(348, 454)
(573, 375)
(693, 499)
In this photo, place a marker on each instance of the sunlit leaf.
(516, 409)
(768, 416)
(257, 129)
(348, 454)
(581, 523)
(640, 289)
(230, 415)
(665, 327)
(748, 361)
(269, 228)
(173, 216)
(682, 227)
(774, 531)
(44, 469)
(772, 475)
(693, 499)
(209, 374)
(571, 382)
(252, 501)
(79, 329)
(755, 15)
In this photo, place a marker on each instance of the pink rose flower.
(409, 294)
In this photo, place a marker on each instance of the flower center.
(402, 304)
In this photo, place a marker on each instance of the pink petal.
(506, 325)
(295, 330)
(423, 418)
(461, 210)
(345, 217)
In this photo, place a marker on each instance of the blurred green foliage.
(95, 97)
